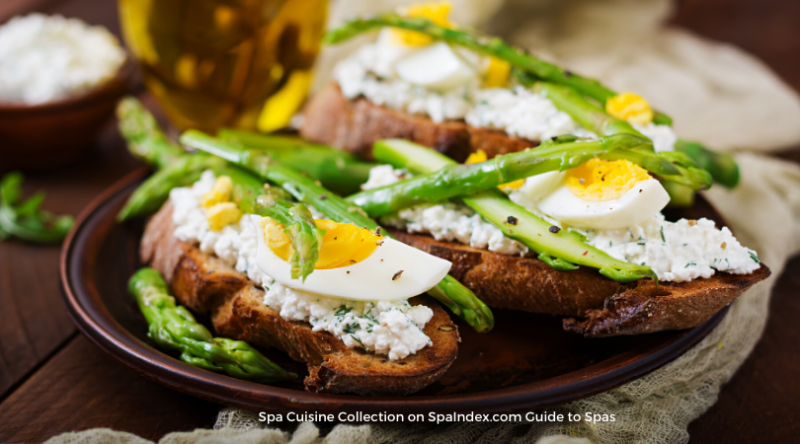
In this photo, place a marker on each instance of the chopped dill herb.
(357, 339)
(343, 310)
(369, 318)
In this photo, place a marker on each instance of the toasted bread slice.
(522, 283)
(354, 125)
(518, 283)
(207, 285)
(610, 308)
(672, 306)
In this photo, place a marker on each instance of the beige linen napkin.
(718, 95)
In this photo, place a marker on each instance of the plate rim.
(103, 329)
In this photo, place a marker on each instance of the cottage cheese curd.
(392, 328)
(662, 136)
(675, 251)
(518, 111)
(448, 221)
(455, 222)
(384, 175)
(522, 113)
(46, 58)
(362, 75)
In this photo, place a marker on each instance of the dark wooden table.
(53, 380)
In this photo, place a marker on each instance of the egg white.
(390, 50)
(368, 280)
(437, 66)
(553, 198)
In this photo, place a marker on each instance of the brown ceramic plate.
(527, 362)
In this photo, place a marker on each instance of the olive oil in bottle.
(225, 63)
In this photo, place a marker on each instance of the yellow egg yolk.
(630, 107)
(220, 192)
(437, 12)
(222, 214)
(601, 180)
(480, 156)
(343, 244)
(220, 211)
(497, 73)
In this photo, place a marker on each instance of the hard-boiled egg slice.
(389, 49)
(437, 66)
(354, 263)
(598, 194)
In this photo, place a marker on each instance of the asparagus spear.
(492, 46)
(178, 168)
(459, 299)
(172, 327)
(337, 170)
(587, 114)
(145, 139)
(462, 180)
(561, 250)
(152, 194)
(250, 195)
(721, 166)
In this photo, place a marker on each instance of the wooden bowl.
(56, 133)
(527, 362)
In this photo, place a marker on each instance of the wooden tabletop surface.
(53, 380)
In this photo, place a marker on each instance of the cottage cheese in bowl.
(45, 58)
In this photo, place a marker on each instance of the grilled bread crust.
(672, 306)
(354, 125)
(607, 307)
(209, 286)
(518, 283)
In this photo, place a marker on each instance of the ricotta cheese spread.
(455, 222)
(518, 111)
(46, 58)
(392, 328)
(359, 75)
(448, 221)
(662, 136)
(522, 113)
(675, 251)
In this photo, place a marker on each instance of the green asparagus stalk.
(337, 170)
(152, 194)
(145, 139)
(458, 298)
(679, 195)
(561, 250)
(595, 119)
(491, 46)
(172, 327)
(178, 168)
(462, 180)
(721, 166)
(587, 114)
